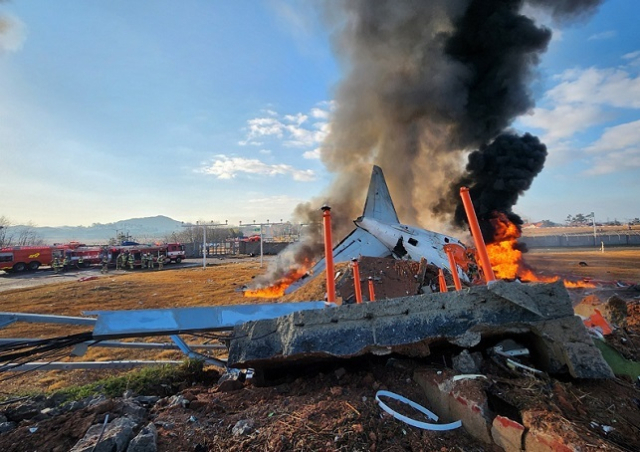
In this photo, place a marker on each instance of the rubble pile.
(539, 313)
(391, 278)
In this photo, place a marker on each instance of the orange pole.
(356, 280)
(477, 235)
(328, 254)
(372, 292)
(442, 281)
(454, 267)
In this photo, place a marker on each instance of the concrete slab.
(414, 323)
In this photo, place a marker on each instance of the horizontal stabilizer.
(379, 204)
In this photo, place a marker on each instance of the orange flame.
(506, 259)
(277, 289)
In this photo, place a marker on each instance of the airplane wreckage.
(268, 336)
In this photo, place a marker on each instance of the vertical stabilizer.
(379, 204)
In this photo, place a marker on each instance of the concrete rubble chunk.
(463, 318)
(616, 311)
(131, 409)
(464, 400)
(145, 441)
(467, 363)
(115, 438)
(243, 427)
(507, 433)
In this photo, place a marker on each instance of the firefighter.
(125, 259)
(144, 260)
(150, 263)
(131, 261)
(105, 263)
(57, 266)
(66, 263)
(160, 261)
(80, 262)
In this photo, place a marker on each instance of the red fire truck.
(21, 258)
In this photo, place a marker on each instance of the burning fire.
(506, 258)
(276, 290)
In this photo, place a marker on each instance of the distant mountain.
(139, 229)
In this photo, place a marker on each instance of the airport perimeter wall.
(582, 240)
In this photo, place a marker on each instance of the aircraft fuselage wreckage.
(379, 233)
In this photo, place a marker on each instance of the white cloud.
(312, 155)
(623, 136)
(13, 33)
(584, 99)
(633, 57)
(603, 35)
(617, 149)
(564, 120)
(224, 167)
(615, 162)
(319, 113)
(614, 87)
(298, 118)
(265, 151)
(293, 130)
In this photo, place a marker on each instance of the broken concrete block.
(409, 325)
(463, 400)
(115, 438)
(145, 441)
(569, 346)
(467, 363)
(616, 311)
(507, 434)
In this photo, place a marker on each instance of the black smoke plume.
(426, 82)
(496, 175)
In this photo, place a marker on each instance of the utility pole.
(595, 238)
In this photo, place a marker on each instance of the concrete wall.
(268, 248)
(552, 241)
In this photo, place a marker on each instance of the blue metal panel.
(156, 322)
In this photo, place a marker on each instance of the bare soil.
(321, 408)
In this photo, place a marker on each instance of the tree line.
(581, 219)
(24, 235)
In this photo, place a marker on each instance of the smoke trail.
(425, 83)
(12, 33)
(497, 174)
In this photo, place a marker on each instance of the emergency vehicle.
(30, 258)
(21, 258)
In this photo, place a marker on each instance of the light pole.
(204, 247)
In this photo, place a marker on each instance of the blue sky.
(216, 110)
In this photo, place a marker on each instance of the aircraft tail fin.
(379, 204)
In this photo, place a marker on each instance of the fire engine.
(21, 258)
